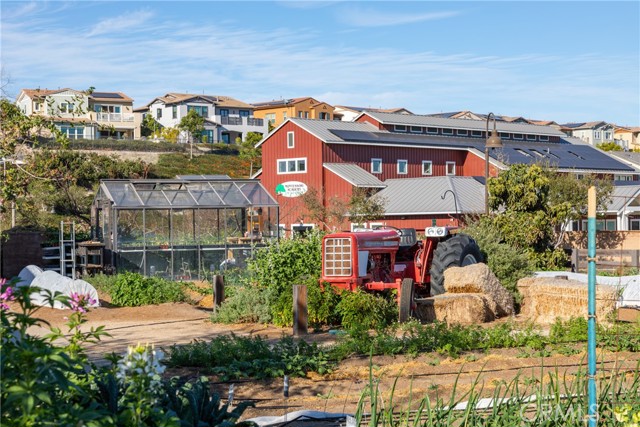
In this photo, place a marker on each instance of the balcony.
(239, 121)
(114, 117)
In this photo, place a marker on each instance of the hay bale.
(464, 309)
(546, 298)
(479, 279)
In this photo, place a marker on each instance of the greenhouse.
(182, 229)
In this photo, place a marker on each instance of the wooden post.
(575, 254)
(300, 312)
(218, 291)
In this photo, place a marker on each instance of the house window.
(518, 136)
(244, 113)
(427, 167)
(544, 138)
(225, 112)
(284, 116)
(476, 133)
(463, 132)
(159, 113)
(225, 138)
(623, 178)
(451, 168)
(505, 135)
(634, 223)
(37, 106)
(174, 112)
(416, 129)
(432, 130)
(271, 117)
(73, 132)
(596, 134)
(607, 136)
(376, 165)
(402, 167)
(290, 140)
(67, 107)
(292, 165)
(202, 110)
(447, 131)
(579, 176)
(399, 128)
(324, 116)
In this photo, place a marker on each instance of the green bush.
(133, 290)
(245, 304)
(117, 145)
(103, 283)
(366, 310)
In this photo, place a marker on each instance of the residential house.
(628, 138)
(225, 118)
(82, 114)
(334, 157)
(592, 133)
(277, 111)
(348, 114)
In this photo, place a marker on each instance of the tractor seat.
(408, 237)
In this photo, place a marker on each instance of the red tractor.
(393, 258)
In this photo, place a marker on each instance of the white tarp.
(27, 274)
(53, 282)
(296, 416)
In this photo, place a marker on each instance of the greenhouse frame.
(182, 229)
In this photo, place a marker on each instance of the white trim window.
(451, 168)
(544, 138)
(400, 128)
(446, 131)
(476, 133)
(462, 132)
(298, 165)
(376, 165)
(403, 167)
(416, 129)
(518, 136)
(531, 137)
(291, 140)
(432, 130)
(596, 134)
(427, 167)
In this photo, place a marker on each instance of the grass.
(171, 164)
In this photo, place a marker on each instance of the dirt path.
(428, 374)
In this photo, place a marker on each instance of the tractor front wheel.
(406, 300)
(458, 251)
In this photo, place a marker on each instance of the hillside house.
(277, 111)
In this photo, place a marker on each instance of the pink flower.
(6, 296)
(79, 302)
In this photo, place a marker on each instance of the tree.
(609, 146)
(534, 205)
(149, 126)
(249, 151)
(193, 124)
(361, 207)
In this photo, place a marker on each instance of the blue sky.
(564, 61)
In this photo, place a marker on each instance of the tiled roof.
(400, 195)
(279, 102)
(219, 100)
(97, 96)
(433, 121)
(354, 175)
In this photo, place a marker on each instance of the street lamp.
(493, 141)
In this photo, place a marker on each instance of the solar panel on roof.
(106, 95)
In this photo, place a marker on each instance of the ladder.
(68, 249)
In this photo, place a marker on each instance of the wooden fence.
(606, 259)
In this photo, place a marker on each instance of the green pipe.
(591, 343)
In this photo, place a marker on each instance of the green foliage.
(366, 310)
(248, 150)
(285, 263)
(43, 383)
(133, 290)
(234, 357)
(116, 145)
(504, 260)
(193, 123)
(609, 146)
(103, 283)
(246, 304)
(149, 125)
(170, 165)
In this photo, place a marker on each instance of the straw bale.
(478, 278)
(548, 298)
(464, 309)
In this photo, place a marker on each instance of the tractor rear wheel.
(458, 251)
(406, 300)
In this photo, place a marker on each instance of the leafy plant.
(133, 289)
(366, 310)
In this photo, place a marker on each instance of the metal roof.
(445, 122)
(184, 194)
(354, 175)
(622, 196)
(431, 195)
(324, 129)
(562, 155)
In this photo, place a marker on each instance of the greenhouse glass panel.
(185, 264)
(256, 194)
(234, 223)
(230, 193)
(153, 198)
(212, 262)
(130, 230)
(130, 261)
(183, 227)
(209, 229)
(204, 195)
(159, 263)
(179, 198)
(157, 227)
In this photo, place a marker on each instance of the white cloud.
(126, 21)
(361, 17)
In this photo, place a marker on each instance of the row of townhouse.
(413, 162)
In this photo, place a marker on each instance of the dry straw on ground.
(548, 298)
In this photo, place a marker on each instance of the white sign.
(291, 189)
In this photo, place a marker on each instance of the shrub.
(246, 304)
(366, 310)
(133, 290)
